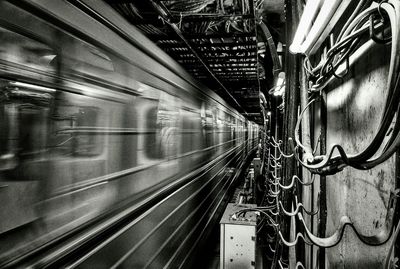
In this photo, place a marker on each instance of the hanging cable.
(299, 206)
(375, 240)
(294, 178)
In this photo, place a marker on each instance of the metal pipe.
(307, 193)
(305, 124)
(328, 28)
(328, 9)
(323, 208)
(309, 13)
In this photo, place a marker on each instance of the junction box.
(238, 237)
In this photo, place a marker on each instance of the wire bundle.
(329, 164)
(187, 6)
(337, 59)
(366, 27)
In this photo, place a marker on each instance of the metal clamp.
(294, 243)
(297, 210)
(375, 240)
(287, 187)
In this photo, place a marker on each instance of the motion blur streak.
(101, 141)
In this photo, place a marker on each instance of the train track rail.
(79, 245)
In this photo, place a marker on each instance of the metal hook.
(294, 243)
(274, 175)
(298, 265)
(274, 158)
(298, 207)
(275, 165)
(273, 183)
(272, 195)
(372, 33)
(283, 154)
(276, 143)
(271, 249)
(375, 240)
(281, 266)
(279, 148)
(270, 237)
(273, 213)
(275, 192)
(271, 202)
(275, 146)
(287, 187)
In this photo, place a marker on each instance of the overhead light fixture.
(279, 87)
(280, 91)
(316, 23)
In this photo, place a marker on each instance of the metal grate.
(215, 42)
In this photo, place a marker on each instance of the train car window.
(186, 136)
(90, 143)
(209, 126)
(228, 127)
(24, 106)
(192, 131)
(167, 126)
(187, 132)
(77, 131)
(23, 51)
(152, 142)
(225, 126)
(161, 139)
(233, 128)
(220, 127)
(24, 111)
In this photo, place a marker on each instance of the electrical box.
(238, 237)
(257, 167)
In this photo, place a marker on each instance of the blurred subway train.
(110, 153)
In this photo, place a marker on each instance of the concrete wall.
(354, 110)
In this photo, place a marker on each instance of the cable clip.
(372, 33)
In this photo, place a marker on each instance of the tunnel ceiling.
(228, 45)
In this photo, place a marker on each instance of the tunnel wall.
(354, 110)
(353, 113)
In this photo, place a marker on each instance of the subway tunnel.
(199, 134)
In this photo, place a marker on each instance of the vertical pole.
(397, 210)
(322, 194)
(306, 193)
(289, 165)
